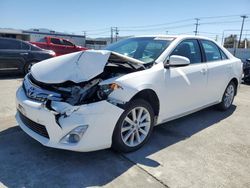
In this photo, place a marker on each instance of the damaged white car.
(93, 100)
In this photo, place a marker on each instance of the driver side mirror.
(177, 60)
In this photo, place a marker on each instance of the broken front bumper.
(41, 123)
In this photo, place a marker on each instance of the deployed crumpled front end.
(63, 102)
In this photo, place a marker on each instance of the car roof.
(177, 36)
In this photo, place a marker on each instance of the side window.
(189, 49)
(25, 46)
(67, 43)
(10, 44)
(55, 41)
(212, 52)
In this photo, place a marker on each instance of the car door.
(12, 57)
(219, 69)
(185, 86)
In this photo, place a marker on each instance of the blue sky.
(97, 16)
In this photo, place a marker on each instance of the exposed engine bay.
(83, 92)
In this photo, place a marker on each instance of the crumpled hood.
(77, 67)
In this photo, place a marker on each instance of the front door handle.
(24, 53)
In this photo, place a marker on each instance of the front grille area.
(36, 92)
(39, 129)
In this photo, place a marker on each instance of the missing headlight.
(105, 90)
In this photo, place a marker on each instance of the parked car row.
(246, 70)
(19, 56)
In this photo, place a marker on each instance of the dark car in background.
(18, 56)
(246, 71)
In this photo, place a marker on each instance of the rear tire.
(134, 126)
(228, 97)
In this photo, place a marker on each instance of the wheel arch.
(151, 97)
(236, 82)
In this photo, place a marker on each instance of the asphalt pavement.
(206, 149)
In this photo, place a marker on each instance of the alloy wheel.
(229, 95)
(135, 127)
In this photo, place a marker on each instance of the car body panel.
(181, 90)
(90, 114)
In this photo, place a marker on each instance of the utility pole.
(111, 36)
(216, 38)
(243, 20)
(116, 33)
(196, 25)
(84, 33)
(242, 26)
(85, 37)
(222, 39)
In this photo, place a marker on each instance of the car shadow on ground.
(26, 163)
(10, 76)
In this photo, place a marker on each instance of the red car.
(58, 45)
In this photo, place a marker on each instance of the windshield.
(146, 49)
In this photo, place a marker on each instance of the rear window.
(67, 43)
(223, 55)
(212, 51)
(25, 46)
(10, 44)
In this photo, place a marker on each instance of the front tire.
(228, 97)
(134, 127)
(27, 67)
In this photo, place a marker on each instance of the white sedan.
(97, 99)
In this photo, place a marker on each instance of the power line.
(155, 25)
(102, 30)
(99, 33)
(160, 28)
(227, 16)
(222, 22)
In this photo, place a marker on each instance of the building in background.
(232, 41)
(35, 35)
(96, 44)
(14, 33)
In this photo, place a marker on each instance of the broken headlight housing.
(105, 90)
